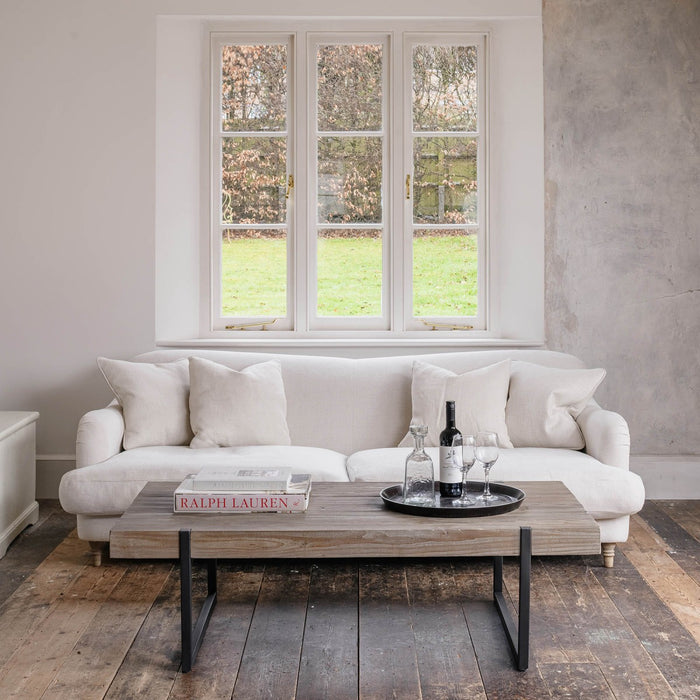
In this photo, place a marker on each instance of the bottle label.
(450, 471)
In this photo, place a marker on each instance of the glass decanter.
(419, 479)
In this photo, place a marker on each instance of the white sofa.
(345, 419)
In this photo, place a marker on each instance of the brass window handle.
(290, 184)
(408, 187)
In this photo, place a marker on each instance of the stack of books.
(243, 490)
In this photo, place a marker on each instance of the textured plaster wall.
(622, 170)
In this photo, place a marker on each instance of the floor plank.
(388, 664)
(33, 545)
(36, 662)
(684, 513)
(329, 658)
(270, 664)
(624, 662)
(214, 674)
(25, 609)
(152, 661)
(97, 655)
(681, 546)
(500, 679)
(649, 554)
(447, 664)
(670, 646)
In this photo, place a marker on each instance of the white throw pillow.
(154, 400)
(230, 408)
(544, 403)
(479, 395)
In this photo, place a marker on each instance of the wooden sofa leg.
(97, 549)
(608, 549)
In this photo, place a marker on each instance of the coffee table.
(350, 520)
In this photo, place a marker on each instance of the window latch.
(250, 326)
(408, 186)
(447, 326)
(290, 185)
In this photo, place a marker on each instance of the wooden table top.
(350, 520)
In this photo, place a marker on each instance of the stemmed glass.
(464, 458)
(487, 454)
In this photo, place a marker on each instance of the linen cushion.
(154, 400)
(604, 491)
(479, 395)
(229, 408)
(110, 487)
(544, 403)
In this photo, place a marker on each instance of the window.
(349, 182)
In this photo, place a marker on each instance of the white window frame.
(325, 323)
(411, 39)
(218, 40)
(301, 319)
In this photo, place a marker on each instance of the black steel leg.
(192, 639)
(518, 638)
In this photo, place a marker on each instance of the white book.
(240, 479)
(188, 500)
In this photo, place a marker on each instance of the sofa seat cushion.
(108, 488)
(604, 491)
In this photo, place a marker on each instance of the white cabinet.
(18, 506)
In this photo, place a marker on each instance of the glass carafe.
(419, 479)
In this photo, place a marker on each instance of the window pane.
(350, 180)
(349, 272)
(254, 273)
(444, 88)
(349, 87)
(445, 185)
(444, 273)
(253, 180)
(254, 88)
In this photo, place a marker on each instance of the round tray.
(443, 508)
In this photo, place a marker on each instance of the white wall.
(77, 203)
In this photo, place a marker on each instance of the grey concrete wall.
(622, 169)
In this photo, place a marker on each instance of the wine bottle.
(450, 473)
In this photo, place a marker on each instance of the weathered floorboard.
(96, 657)
(648, 552)
(32, 546)
(388, 664)
(215, 671)
(329, 659)
(672, 649)
(628, 669)
(150, 666)
(270, 663)
(447, 664)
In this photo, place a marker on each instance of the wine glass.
(487, 454)
(464, 458)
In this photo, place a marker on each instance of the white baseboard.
(668, 476)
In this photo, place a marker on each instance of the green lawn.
(254, 269)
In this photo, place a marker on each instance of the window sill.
(405, 343)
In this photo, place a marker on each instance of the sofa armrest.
(607, 436)
(100, 435)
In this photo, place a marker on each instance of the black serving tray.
(443, 508)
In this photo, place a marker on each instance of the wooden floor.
(349, 629)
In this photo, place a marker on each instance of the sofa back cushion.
(348, 404)
(230, 407)
(544, 403)
(154, 400)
